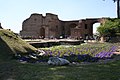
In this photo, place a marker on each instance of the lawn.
(14, 70)
(11, 69)
(42, 71)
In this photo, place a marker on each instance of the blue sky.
(14, 12)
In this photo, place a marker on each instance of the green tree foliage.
(111, 27)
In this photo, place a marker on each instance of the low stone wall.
(49, 44)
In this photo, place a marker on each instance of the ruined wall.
(54, 25)
(68, 26)
(38, 25)
(85, 27)
(49, 26)
(31, 26)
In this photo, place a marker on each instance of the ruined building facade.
(49, 26)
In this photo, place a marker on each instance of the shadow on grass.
(42, 71)
(84, 58)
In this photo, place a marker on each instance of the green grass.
(14, 70)
(43, 71)
(10, 43)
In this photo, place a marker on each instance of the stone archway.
(71, 26)
(42, 32)
(95, 25)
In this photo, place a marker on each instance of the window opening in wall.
(86, 26)
(42, 33)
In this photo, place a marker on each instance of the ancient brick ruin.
(49, 26)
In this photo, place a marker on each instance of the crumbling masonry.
(49, 26)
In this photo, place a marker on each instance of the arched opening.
(73, 25)
(95, 25)
(42, 33)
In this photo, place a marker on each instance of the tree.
(118, 8)
(111, 28)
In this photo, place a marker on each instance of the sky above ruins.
(14, 12)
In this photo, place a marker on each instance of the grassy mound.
(10, 44)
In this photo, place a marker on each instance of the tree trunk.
(102, 39)
(118, 8)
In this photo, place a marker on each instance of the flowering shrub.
(88, 52)
(79, 53)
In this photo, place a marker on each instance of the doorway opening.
(42, 33)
